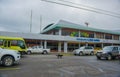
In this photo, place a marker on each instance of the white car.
(9, 57)
(37, 49)
(84, 50)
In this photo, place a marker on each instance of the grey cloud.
(15, 14)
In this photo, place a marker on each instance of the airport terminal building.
(65, 36)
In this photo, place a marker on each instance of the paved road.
(68, 66)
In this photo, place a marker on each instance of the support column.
(79, 45)
(94, 45)
(79, 34)
(86, 44)
(102, 45)
(119, 37)
(41, 44)
(104, 36)
(94, 35)
(65, 47)
(112, 37)
(45, 44)
(59, 47)
(60, 32)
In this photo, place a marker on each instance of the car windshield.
(107, 48)
(81, 48)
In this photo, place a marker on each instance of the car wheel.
(81, 53)
(45, 52)
(7, 61)
(28, 52)
(91, 53)
(109, 57)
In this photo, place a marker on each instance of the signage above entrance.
(88, 39)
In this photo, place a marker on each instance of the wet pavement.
(68, 66)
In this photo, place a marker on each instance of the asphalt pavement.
(68, 66)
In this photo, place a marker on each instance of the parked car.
(108, 52)
(37, 49)
(9, 57)
(84, 50)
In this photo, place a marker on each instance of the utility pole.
(31, 22)
(40, 23)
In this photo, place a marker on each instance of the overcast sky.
(15, 14)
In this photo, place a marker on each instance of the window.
(88, 47)
(14, 43)
(91, 35)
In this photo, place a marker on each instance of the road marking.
(100, 70)
(9, 69)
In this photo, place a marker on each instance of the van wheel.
(7, 61)
(81, 53)
(109, 57)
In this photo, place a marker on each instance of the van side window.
(1, 42)
(14, 43)
(5, 43)
(8, 43)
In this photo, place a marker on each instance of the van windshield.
(21, 44)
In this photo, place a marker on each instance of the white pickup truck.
(9, 57)
(37, 49)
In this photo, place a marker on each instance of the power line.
(117, 16)
(89, 7)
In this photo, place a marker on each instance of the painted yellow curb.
(9, 68)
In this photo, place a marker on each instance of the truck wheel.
(81, 53)
(7, 61)
(99, 58)
(28, 52)
(91, 53)
(109, 57)
(45, 52)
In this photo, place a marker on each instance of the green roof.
(66, 24)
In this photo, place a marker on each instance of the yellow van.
(14, 43)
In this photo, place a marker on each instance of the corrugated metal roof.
(66, 24)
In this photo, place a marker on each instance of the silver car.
(84, 50)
